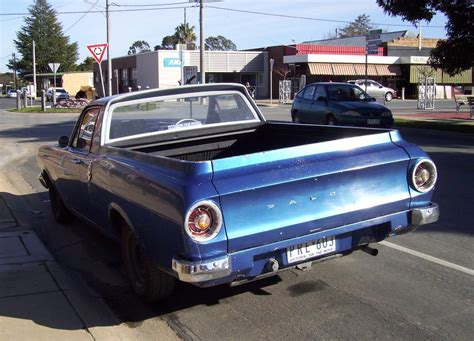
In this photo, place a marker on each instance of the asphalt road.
(400, 294)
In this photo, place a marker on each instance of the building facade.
(167, 68)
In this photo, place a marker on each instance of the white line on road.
(429, 258)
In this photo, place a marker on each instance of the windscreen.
(174, 113)
(346, 93)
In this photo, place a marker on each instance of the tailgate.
(272, 196)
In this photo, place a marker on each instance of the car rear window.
(174, 113)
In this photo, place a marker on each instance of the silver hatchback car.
(375, 89)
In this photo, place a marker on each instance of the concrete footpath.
(39, 300)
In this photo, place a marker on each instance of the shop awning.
(388, 70)
(417, 71)
(360, 70)
(343, 69)
(320, 69)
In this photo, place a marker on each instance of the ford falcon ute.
(197, 186)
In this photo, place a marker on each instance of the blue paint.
(171, 62)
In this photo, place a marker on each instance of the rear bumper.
(254, 262)
(425, 215)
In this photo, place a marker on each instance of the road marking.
(429, 258)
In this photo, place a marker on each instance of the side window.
(309, 92)
(320, 93)
(83, 135)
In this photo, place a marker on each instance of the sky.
(311, 20)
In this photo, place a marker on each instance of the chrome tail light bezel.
(430, 167)
(216, 224)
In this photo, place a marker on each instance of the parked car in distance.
(338, 104)
(11, 93)
(61, 93)
(197, 186)
(375, 89)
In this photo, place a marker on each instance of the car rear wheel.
(60, 211)
(295, 117)
(388, 96)
(330, 120)
(146, 278)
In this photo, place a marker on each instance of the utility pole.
(109, 61)
(419, 35)
(201, 42)
(34, 70)
(15, 81)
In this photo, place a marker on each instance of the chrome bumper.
(425, 215)
(202, 271)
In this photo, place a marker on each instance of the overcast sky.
(246, 30)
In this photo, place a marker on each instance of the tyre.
(295, 117)
(146, 278)
(60, 211)
(388, 96)
(330, 120)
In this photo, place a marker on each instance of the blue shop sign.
(172, 62)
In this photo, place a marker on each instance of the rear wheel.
(295, 117)
(388, 96)
(146, 278)
(330, 120)
(60, 211)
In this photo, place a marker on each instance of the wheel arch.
(118, 217)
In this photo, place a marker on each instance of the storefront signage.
(418, 60)
(171, 62)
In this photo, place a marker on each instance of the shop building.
(399, 63)
(167, 68)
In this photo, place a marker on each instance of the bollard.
(54, 97)
(403, 93)
(129, 89)
(43, 100)
(139, 87)
(94, 94)
(18, 100)
(25, 98)
(147, 87)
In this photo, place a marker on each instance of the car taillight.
(424, 175)
(203, 221)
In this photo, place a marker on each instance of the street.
(420, 286)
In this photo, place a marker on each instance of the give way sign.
(97, 51)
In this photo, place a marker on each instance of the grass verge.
(461, 126)
(48, 110)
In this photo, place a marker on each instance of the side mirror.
(380, 86)
(63, 141)
(371, 99)
(320, 99)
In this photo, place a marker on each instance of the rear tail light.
(424, 175)
(203, 221)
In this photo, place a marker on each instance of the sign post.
(54, 67)
(373, 41)
(98, 51)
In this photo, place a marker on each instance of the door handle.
(77, 161)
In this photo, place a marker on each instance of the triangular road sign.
(97, 51)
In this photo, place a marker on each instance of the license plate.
(312, 249)
(373, 121)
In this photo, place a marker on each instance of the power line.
(150, 5)
(103, 11)
(304, 18)
(82, 16)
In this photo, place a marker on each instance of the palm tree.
(184, 34)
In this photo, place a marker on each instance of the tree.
(86, 65)
(219, 43)
(140, 46)
(454, 54)
(360, 26)
(52, 46)
(183, 34)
